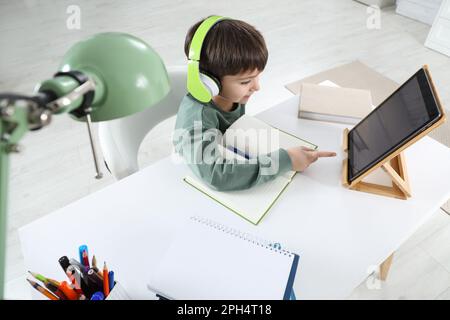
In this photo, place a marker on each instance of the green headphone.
(200, 85)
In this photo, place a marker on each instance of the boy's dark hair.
(230, 47)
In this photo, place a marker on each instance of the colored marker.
(105, 280)
(111, 280)
(84, 255)
(80, 252)
(70, 293)
(64, 263)
(98, 296)
(86, 260)
(42, 290)
(94, 281)
(76, 263)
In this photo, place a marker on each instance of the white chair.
(120, 139)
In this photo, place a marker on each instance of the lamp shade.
(130, 76)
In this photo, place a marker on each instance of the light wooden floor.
(303, 37)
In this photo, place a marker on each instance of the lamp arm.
(64, 102)
(4, 166)
(18, 115)
(13, 126)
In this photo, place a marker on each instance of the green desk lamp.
(108, 76)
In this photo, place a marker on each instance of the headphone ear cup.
(211, 84)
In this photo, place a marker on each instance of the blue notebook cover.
(289, 292)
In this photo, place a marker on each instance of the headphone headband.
(200, 34)
(201, 85)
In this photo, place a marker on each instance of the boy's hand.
(302, 157)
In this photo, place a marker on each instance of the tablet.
(406, 113)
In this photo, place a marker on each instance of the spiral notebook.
(208, 260)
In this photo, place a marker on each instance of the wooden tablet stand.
(393, 164)
(395, 168)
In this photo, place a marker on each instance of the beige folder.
(336, 104)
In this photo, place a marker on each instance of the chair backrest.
(120, 139)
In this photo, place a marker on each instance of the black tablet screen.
(409, 110)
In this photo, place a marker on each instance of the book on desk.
(241, 143)
(327, 101)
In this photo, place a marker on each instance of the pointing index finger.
(322, 154)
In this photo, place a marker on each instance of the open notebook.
(249, 137)
(210, 261)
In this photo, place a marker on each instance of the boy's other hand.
(302, 157)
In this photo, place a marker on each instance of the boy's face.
(239, 87)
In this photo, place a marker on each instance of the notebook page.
(214, 262)
(288, 141)
(255, 137)
(250, 204)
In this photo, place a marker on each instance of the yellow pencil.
(42, 290)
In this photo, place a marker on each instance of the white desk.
(338, 233)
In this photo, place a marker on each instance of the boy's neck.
(224, 104)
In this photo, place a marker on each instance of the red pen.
(86, 260)
(84, 256)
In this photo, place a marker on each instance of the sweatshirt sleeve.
(199, 146)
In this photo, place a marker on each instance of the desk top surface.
(339, 234)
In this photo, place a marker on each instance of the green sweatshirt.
(199, 129)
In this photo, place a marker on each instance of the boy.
(234, 54)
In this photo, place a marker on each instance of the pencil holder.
(85, 281)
